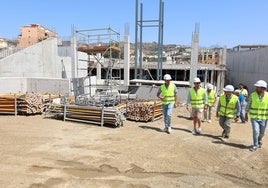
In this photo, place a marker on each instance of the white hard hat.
(261, 83)
(196, 79)
(210, 86)
(237, 91)
(228, 88)
(167, 77)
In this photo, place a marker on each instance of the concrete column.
(98, 68)
(194, 53)
(126, 60)
(74, 56)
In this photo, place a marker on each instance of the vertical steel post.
(136, 40)
(141, 28)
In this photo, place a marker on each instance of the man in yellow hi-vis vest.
(257, 107)
(211, 103)
(228, 109)
(198, 100)
(167, 93)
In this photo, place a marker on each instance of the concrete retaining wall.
(38, 61)
(36, 85)
(247, 67)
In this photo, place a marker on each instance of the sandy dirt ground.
(37, 151)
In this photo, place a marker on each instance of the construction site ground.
(37, 151)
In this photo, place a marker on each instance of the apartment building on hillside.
(33, 34)
(3, 43)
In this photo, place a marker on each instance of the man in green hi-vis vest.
(211, 93)
(167, 93)
(257, 107)
(198, 100)
(228, 109)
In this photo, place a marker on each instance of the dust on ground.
(37, 151)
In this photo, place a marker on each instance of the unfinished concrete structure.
(37, 68)
(247, 66)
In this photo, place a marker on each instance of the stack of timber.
(7, 104)
(144, 111)
(30, 104)
(24, 104)
(91, 114)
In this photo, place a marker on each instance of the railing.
(7, 52)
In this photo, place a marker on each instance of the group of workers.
(230, 107)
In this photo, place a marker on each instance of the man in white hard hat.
(167, 93)
(257, 107)
(211, 103)
(198, 100)
(228, 109)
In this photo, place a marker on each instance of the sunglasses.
(197, 83)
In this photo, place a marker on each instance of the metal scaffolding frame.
(139, 25)
(98, 43)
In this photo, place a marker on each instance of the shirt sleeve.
(218, 106)
(159, 91)
(248, 104)
(205, 98)
(175, 89)
(238, 108)
(188, 98)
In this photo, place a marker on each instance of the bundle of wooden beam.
(91, 114)
(144, 110)
(7, 104)
(24, 104)
(30, 103)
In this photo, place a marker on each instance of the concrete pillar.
(194, 53)
(202, 56)
(98, 68)
(126, 60)
(207, 57)
(74, 57)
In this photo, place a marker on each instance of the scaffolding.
(103, 45)
(139, 26)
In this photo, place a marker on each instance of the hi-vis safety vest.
(211, 97)
(168, 93)
(228, 109)
(197, 98)
(259, 109)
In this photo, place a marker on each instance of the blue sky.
(222, 23)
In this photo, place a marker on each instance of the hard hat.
(210, 86)
(196, 79)
(261, 83)
(167, 77)
(228, 88)
(237, 91)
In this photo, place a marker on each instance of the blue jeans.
(241, 113)
(167, 112)
(258, 127)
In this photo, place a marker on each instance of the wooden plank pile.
(144, 110)
(7, 104)
(24, 104)
(30, 103)
(91, 114)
